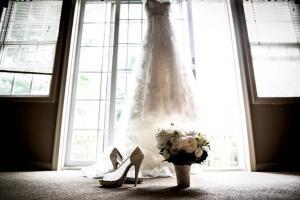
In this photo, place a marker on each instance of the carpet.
(207, 185)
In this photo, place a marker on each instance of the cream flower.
(198, 152)
(166, 154)
(205, 148)
(163, 137)
(191, 133)
(190, 144)
(202, 139)
(177, 144)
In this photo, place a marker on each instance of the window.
(28, 47)
(274, 36)
(90, 99)
(218, 80)
(89, 126)
(96, 103)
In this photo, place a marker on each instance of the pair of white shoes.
(121, 166)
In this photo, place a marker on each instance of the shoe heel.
(115, 155)
(136, 160)
(136, 174)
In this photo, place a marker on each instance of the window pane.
(88, 86)
(11, 57)
(84, 145)
(22, 84)
(134, 56)
(93, 34)
(122, 57)
(135, 11)
(121, 85)
(6, 80)
(40, 85)
(90, 58)
(44, 59)
(277, 78)
(35, 32)
(124, 11)
(276, 32)
(134, 32)
(95, 12)
(27, 55)
(86, 114)
(123, 32)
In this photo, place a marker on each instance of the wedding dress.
(163, 94)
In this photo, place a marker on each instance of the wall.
(27, 135)
(277, 136)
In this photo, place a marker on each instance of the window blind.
(29, 35)
(274, 36)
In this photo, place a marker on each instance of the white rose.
(177, 145)
(190, 144)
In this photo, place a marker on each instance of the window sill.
(33, 99)
(276, 100)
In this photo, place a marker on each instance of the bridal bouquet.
(182, 147)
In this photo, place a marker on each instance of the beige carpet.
(208, 185)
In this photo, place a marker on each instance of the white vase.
(183, 175)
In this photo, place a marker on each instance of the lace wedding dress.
(163, 94)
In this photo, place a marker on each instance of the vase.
(183, 175)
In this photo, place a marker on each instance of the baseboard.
(268, 166)
(25, 166)
(40, 165)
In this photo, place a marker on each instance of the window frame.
(57, 65)
(256, 100)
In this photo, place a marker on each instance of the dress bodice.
(153, 8)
